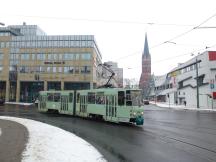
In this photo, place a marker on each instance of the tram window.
(50, 96)
(128, 98)
(128, 95)
(91, 98)
(71, 97)
(56, 97)
(121, 98)
(100, 99)
(78, 97)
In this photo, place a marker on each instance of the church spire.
(146, 48)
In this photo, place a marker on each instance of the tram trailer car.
(109, 104)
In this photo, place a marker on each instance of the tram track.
(173, 134)
(158, 140)
(196, 150)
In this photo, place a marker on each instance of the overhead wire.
(169, 58)
(101, 20)
(177, 36)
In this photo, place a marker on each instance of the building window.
(85, 69)
(66, 69)
(37, 69)
(60, 56)
(25, 56)
(33, 57)
(54, 69)
(40, 56)
(49, 69)
(55, 56)
(76, 70)
(200, 80)
(24, 69)
(76, 56)
(50, 56)
(180, 84)
(42, 69)
(71, 70)
(86, 56)
(68, 56)
(14, 56)
(1, 56)
(60, 69)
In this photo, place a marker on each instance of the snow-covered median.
(47, 143)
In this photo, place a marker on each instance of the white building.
(179, 86)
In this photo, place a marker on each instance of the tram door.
(83, 105)
(64, 104)
(42, 101)
(110, 107)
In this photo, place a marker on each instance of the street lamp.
(197, 83)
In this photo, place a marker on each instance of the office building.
(31, 61)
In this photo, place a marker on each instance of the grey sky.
(120, 25)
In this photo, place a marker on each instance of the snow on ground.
(47, 143)
(180, 107)
(19, 103)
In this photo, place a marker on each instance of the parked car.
(146, 102)
(2, 101)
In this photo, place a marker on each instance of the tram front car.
(135, 106)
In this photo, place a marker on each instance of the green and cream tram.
(110, 104)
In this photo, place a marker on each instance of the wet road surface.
(13, 140)
(166, 136)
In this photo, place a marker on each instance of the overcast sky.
(119, 27)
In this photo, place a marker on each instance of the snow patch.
(18, 103)
(48, 143)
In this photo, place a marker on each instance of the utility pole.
(197, 83)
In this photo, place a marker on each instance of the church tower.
(145, 77)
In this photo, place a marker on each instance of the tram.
(109, 104)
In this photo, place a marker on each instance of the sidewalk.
(180, 107)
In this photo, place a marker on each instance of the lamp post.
(197, 84)
(197, 81)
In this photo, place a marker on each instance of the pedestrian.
(185, 103)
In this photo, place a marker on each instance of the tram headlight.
(134, 113)
(142, 113)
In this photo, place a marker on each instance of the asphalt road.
(166, 136)
(13, 140)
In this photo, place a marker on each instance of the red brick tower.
(145, 77)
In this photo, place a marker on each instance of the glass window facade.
(25, 56)
(86, 56)
(1, 56)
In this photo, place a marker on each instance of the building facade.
(31, 61)
(192, 83)
(145, 78)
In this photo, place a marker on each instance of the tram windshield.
(133, 98)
